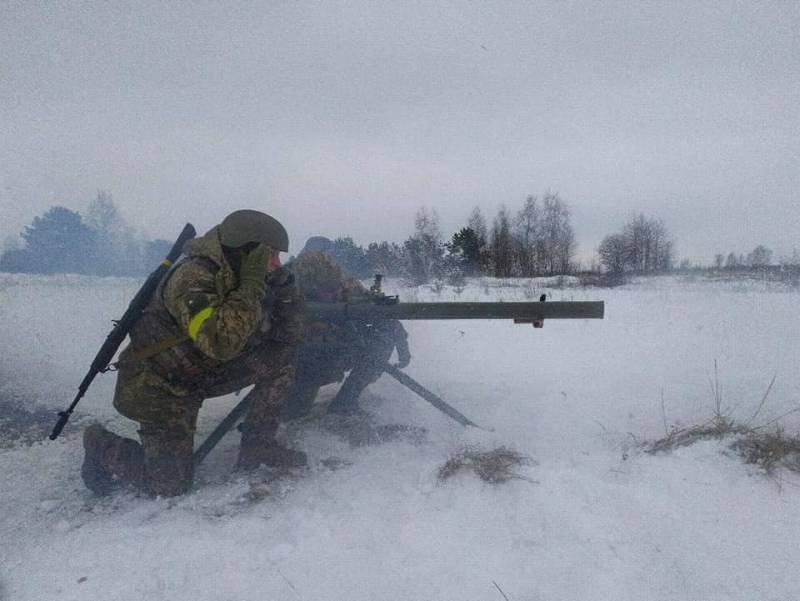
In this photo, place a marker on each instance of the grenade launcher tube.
(520, 311)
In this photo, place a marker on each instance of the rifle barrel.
(523, 311)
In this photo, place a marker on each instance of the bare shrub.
(495, 466)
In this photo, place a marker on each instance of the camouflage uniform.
(246, 336)
(331, 349)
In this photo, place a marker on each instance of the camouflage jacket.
(321, 280)
(202, 317)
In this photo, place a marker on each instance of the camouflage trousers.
(167, 414)
(323, 360)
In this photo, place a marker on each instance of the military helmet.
(244, 226)
(318, 244)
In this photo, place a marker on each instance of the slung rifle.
(123, 325)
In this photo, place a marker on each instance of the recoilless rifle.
(375, 307)
(378, 306)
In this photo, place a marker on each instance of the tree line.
(98, 243)
(538, 239)
(534, 239)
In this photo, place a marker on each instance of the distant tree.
(424, 250)
(731, 261)
(385, 258)
(56, 242)
(12, 258)
(761, 256)
(719, 260)
(557, 235)
(529, 237)
(350, 257)
(477, 223)
(118, 249)
(644, 244)
(650, 250)
(464, 251)
(501, 245)
(613, 253)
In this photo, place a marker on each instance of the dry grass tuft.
(20, 425)
(770, 450)
(767, 449)
(495, 466)
(715, 429)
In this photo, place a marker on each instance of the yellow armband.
(198, 320)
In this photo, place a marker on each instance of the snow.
(593, 518)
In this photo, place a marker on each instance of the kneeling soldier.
(225, 317)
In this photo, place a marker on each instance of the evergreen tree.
(464, 251)
(57, 242)
(385, 258)
(350, 257)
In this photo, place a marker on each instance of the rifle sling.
(156, 348)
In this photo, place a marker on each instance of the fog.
(343, 118)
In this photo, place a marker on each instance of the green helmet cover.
(318, 244)
(246, 225)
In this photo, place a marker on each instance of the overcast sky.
(342, 118)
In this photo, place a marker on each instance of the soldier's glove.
(285, 307)
(255, 265)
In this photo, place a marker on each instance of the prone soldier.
(330, 348)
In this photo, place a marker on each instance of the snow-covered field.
(593, 518)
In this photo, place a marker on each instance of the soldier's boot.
(257, 450)
(259, 447)
(266, 402)
(346, 400)
(110, 460)
(168, 464)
